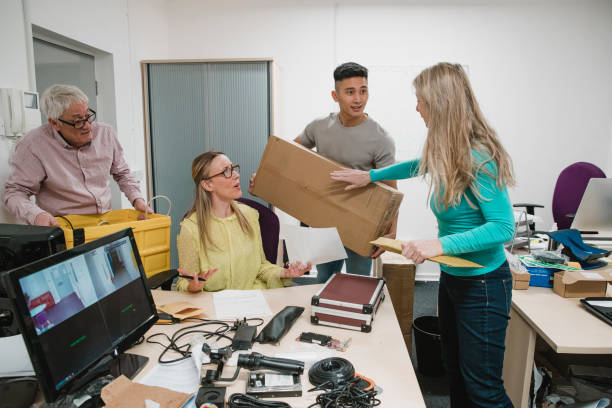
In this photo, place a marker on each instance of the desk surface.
(565, 325)
(380, 355)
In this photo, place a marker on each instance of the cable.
(67, 220)
(331, 371)
(351, 394)
(184, 350)
(246, 401)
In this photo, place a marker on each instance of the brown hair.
(202, 204)
(456, 127)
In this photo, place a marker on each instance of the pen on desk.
(191, 277)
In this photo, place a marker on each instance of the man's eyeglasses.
(80, 124)
(227, 172)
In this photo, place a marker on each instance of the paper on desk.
(15, 357)
(236, 304)
(314, 245)
(181, 376)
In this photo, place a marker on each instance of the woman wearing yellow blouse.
(220, 239)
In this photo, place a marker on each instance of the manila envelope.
(181, 310)
(395, 245)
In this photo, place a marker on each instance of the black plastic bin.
(428, 349)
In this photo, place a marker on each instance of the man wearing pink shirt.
(65, 163)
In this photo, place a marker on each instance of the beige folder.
(395, 245)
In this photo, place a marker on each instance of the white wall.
(13, 74)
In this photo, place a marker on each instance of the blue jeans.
(473, 315)
(355, 264)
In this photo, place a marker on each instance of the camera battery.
(271, 385)
(309, 337)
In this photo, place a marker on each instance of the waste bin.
(428, 349)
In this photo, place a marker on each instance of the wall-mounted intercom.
(19, 112)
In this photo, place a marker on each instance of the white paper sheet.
(314, 245)
(181, 377)
(15, 358)
(236, 304)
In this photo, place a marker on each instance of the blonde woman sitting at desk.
(220, 239)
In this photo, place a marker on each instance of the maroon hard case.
(348, 301)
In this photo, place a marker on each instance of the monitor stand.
(128, 365)
(123, 364)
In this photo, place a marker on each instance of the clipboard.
(395, 245)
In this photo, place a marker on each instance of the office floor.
(434, 389)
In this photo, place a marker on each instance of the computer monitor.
(594, 213)
(81, 306)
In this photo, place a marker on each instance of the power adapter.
(244, 337)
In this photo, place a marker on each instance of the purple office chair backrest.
(269, 225)
(570, 187)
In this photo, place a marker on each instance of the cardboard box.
(297, 181)
(580, 284)
(399, 274)
(520, 276)
(520, 281)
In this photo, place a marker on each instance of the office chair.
(162, 279)
(270, 228)
(570, 187)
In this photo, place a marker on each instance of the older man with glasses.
(65, 163)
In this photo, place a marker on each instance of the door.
(201, 106)
(55, 64)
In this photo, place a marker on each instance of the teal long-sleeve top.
(476, 234)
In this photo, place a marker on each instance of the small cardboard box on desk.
(520, 281)
(399, 273)
(520, 275)
(584, 283)
(297, 181)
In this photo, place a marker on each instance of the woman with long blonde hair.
(468, 170)
(220, 239)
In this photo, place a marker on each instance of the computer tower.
(20, 245)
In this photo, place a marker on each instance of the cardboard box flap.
(297, 181)
(570, 277)
(395, 245)
(124, 393)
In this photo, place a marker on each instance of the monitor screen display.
(80, 305)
